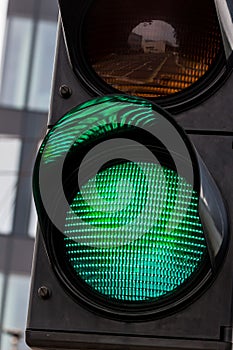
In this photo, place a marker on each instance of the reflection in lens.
(153, 37)
(152, 49)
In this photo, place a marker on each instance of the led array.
(133, 232)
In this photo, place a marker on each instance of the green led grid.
(133, 232)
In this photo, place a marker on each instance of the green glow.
(133, 232)
(92, 119)
(139, 237)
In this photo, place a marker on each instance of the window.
(16, 62)
(3, 11)
(9, 164)
(15, 309)
(42, 66)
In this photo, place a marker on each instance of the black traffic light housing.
(58, 320)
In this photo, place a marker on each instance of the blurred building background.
(27, 43)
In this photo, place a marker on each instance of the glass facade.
(3, 14)
(10, 154)
(15, 68)
(27, 75)
(15, 309)
(42, 66)
(27, 44)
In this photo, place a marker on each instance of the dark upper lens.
(152, 48)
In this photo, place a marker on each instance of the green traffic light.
(134, 250)
(123, 203)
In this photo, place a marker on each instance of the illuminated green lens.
(133, 232)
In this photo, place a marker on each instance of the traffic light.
(132, 183)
